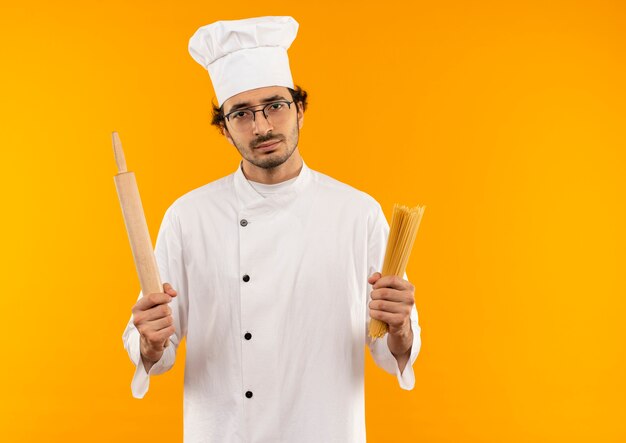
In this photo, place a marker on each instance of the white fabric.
(308, 251)
(245, 54)
(265, 189)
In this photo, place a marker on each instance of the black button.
(248, 336)
(243, 222)
(246, 278)
(249, 394)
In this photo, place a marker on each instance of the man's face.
(261, 131)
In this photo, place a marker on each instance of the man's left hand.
(392, 302)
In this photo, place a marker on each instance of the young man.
(271, 271)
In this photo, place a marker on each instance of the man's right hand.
(153, 319)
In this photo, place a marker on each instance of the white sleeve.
(169, 256)
(377, 244)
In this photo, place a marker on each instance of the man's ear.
(227, 135)
(300, 115)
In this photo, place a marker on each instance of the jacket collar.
(250, 199)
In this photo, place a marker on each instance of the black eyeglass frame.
(265, 106)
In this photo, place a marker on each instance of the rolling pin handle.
(120, 160)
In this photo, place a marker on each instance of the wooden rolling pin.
(136, 225)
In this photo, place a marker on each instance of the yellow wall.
(506, 120)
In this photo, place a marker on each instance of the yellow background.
(505, 118)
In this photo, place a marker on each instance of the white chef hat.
(245, 54)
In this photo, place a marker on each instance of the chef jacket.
(272, 297)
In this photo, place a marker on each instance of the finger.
(156, 312)
(162, 335)
(372, 278)
(167, 288)
(380, 315)
(161, 323)
(148, 301)
(393, 281)
(387, 317)
(388, 306)
(391, 295)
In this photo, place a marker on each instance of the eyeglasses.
(275, 113)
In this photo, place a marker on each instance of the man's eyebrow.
(248, 104)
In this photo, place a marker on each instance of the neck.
(289, 169)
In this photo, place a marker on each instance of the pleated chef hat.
(245, 54)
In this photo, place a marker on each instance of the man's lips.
(268, 145)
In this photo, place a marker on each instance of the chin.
(271, 164)
(270, 160)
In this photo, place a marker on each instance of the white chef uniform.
(272, 299)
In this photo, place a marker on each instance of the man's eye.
(239, 114)
(276, 105)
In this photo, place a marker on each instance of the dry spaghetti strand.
(405, 222)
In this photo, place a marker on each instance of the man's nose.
(261, 124)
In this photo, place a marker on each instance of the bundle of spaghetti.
(404, 224)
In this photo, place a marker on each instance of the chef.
(271, 272)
